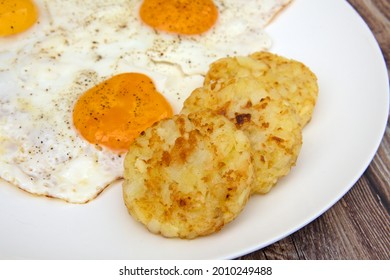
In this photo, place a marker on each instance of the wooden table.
(358, 226)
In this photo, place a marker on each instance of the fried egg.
(50, 64)
(231, 35)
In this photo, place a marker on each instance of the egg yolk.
(116, 111)
(16, 16)
(187, 17)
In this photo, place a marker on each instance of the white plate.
(339, 143)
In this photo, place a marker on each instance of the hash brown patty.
(189, 175)
(290, 78)
(269, 121)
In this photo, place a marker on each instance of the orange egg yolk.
(16, 16)
(116, 111)
(187, 17)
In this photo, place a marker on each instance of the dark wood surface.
(358, 226)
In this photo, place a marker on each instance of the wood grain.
(358, 226)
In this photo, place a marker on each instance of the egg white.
(74, 46)
(239, 31)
